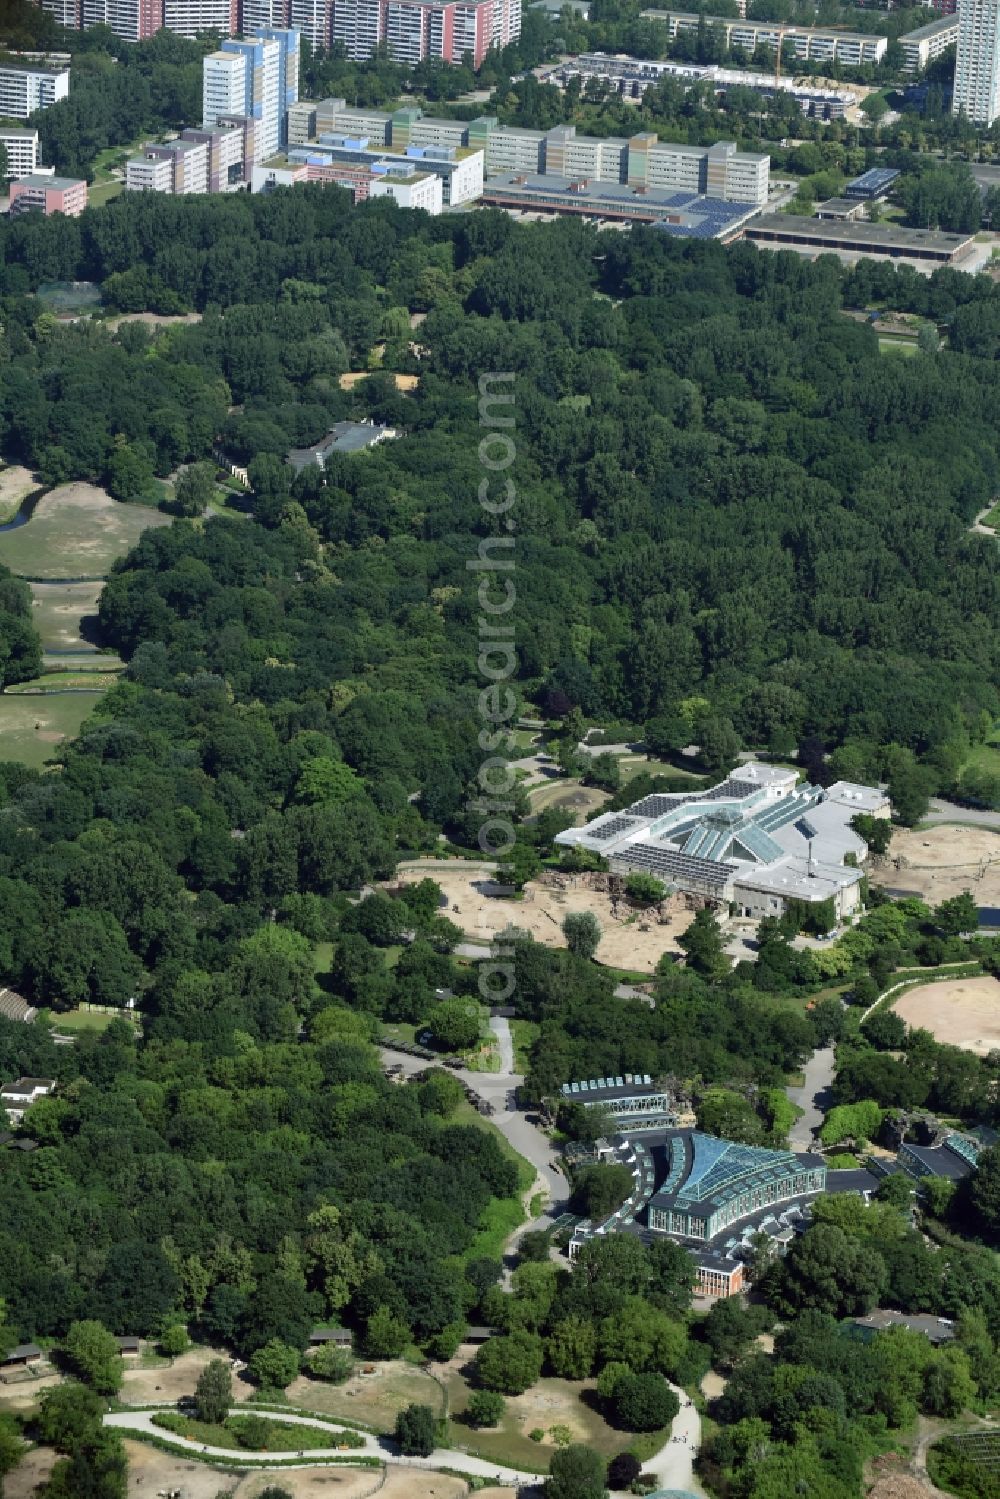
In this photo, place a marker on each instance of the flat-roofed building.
(409, 188)
(755, 841)
(63, 12)
(630, 77)
(335, 116)
(411, 127)
(21, 147)
(876, 183)
(686, 214)
(810, 43)
(634, 1101)
(23, 90)
(17, 1097)
(784, 231)
(301, 122)
(199, 161)
(510, 149)
(416, 30)
(248, 78)
(257, 13)
(922, 46)
(460, 171)
(844, 209)
(49, 195)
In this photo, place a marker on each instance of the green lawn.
(524, 1033)
(993, 518)
(399, 1031)
(58, 609)
(504, 1214)
(88, 1020)
(374, 1399)
(277, 1436)
(549, 1403)
(889, 345)
(102, 192)
(985, 757)
(32, 728)
(77, 531)
(631, 766)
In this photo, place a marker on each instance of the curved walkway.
(141, 1423)
(673, 1465)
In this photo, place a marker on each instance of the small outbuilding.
(340, 1337)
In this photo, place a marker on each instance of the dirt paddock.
(960, 1012)
(33, 1470)
(151, 1471)
(943, 861)
(170, 1383)
(542, 911)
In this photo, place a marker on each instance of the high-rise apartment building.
(23, 90)
(977, 66)
(132, 20)
(357, 26)
(258, 13)
(21, 147)
(414, 30)
(192, 17)
(257, 78)
(312, 19)
(63, 12)
(288, 71)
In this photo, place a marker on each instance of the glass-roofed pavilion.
(711, 1184)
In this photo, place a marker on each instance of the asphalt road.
(813, 1098)
(942, 811)
(985, 176)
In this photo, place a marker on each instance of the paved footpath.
(673, 1465)
(141, 1423)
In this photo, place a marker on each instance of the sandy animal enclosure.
(354, 1483)
(636, 944)
(168, 1384)
(960, 1012)
(943, 861)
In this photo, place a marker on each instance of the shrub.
(416, 1431)
(644, 1402)
(486, 1408)
(174, 1340)
(623, 1471)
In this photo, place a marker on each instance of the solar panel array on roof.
(612, 828)
(656, 805)
(787, 809)
(669, 862)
